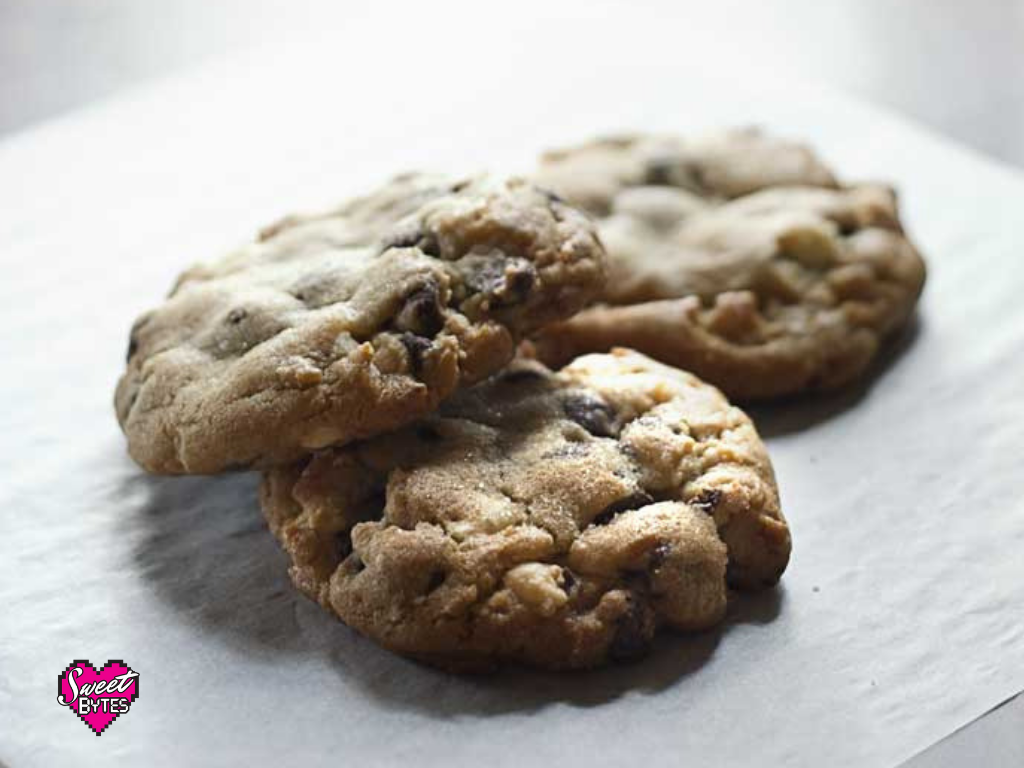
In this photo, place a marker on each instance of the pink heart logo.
(98, 697)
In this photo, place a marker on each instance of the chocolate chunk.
(633, 634)
(417, 347)
(568, 580)
(633, 501)
(507, 281)
(422, 313)
(707, 501)
(518, 282)
(592, 414)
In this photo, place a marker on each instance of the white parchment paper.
(900, 618)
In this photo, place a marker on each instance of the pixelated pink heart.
(98, 697)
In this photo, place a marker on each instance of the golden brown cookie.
(738, 257)
(556, 519)
(335, 327)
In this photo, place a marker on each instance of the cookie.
(554, 519)
(335, 327)
(737, 257)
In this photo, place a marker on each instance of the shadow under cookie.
(798, 413)
(205, 552)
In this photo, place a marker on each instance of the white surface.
(902, 614)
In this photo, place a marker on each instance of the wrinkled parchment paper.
(900, 618)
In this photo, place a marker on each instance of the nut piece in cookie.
(555, 519)
(738, 257)
(339, 326)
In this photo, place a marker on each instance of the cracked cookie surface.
(555, 519)
(738, 257)
(338, 326)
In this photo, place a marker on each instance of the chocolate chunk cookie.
(339, 326)
(738, 257)
(556, 519)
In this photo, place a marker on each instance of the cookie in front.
(554, 519)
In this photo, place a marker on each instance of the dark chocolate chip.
(518, 283)
(568, 580)
(237, 315)
(633, 633)
(417, 347)
(507, 281)
(632, 501)
(422, 313)
(707, 501)
(592, 414)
